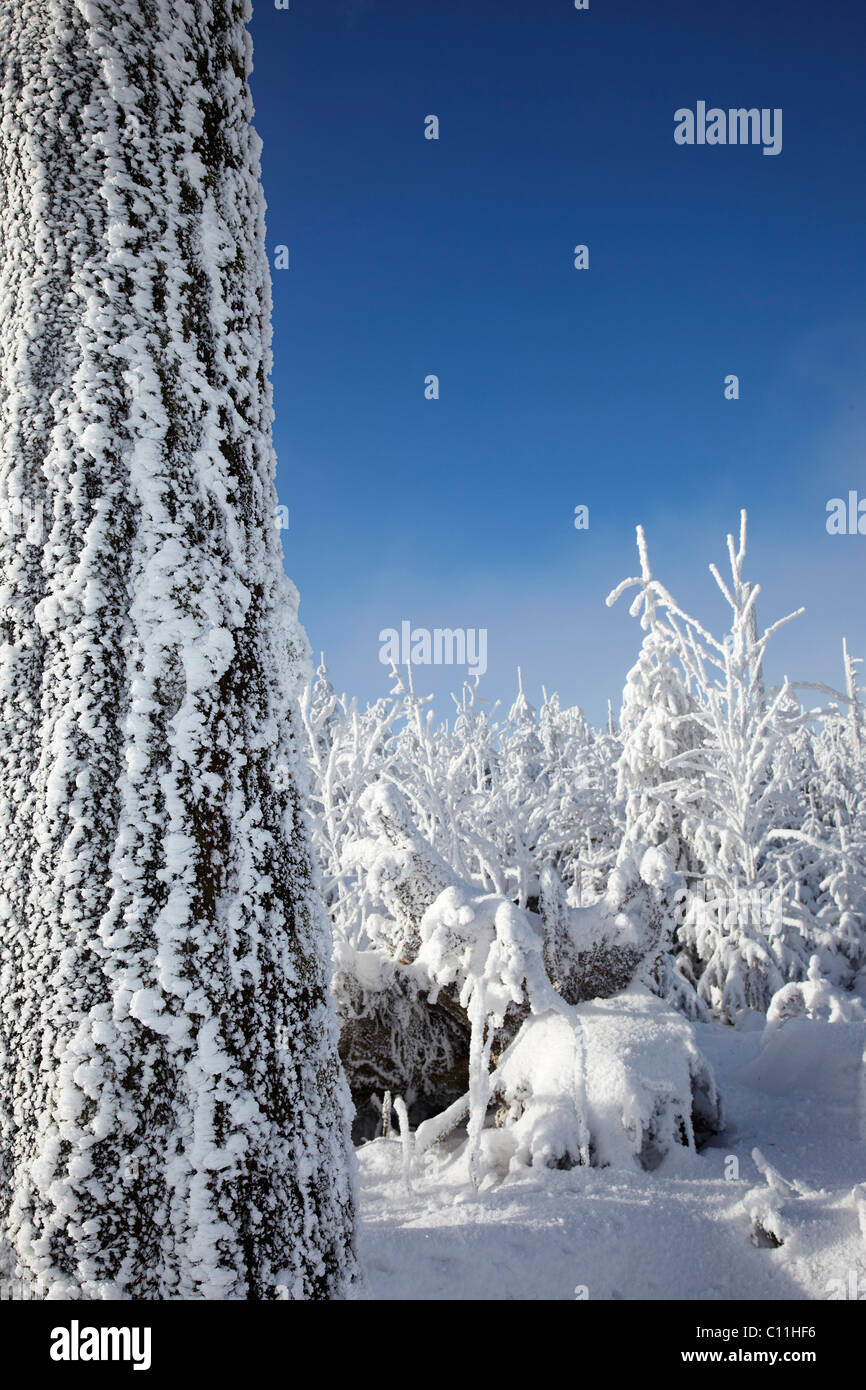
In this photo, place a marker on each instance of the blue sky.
(557, 386)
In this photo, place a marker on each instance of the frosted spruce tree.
(173, 1113)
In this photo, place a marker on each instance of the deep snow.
(684, 1231)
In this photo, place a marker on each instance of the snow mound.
(623, 1075)
(648, 1085)
(541, 1084)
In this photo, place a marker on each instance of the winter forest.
(305, 996)
(531, 915)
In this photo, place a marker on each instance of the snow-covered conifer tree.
(656, 727)
(173, 1112)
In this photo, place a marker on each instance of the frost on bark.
(173, 1112)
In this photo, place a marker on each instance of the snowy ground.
(682, 1231)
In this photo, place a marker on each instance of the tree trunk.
(174, 1119)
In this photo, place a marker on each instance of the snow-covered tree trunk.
(174, 1119)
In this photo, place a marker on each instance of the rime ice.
(173, 1112)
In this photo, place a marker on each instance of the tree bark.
(174, 1117)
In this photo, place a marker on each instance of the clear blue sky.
(559, 386)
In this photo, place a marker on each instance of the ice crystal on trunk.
(173, 1111)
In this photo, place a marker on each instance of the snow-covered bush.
(815, 998)
(620, 1083)
(649, 1087)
